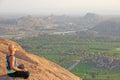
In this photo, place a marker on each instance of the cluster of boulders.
(107, 62)
(103, 61)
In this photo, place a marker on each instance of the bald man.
(13, 70)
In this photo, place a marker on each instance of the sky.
(111, 7)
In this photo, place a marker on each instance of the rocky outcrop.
(39, 67)
(108, 27)
(108, 62)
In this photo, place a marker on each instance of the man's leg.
(22, 74)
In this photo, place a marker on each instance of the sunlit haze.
(111, 7)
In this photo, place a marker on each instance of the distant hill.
(31, 25)
(91, 19)
(92, 16)
(2, 18)
(29, 21)
(108, 28)
(8, 21)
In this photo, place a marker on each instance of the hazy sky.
(60, 6)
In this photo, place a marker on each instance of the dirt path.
(74, 65)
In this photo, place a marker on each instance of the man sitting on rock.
(13, 69)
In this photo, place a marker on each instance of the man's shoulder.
(11, 56)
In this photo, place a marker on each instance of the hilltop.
(39, 67)
(108, 28)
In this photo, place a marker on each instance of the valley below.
(88, 46)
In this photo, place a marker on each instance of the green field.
(104, 47)
(89, 72)
(65, 49)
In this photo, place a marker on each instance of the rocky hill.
(32, 25)
(39, 67)
(108, 28)
(91, 19)
(107, 62)
(29, 21)
(2, 19)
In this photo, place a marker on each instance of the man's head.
(12, 49)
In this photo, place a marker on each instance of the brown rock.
(40, 68)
